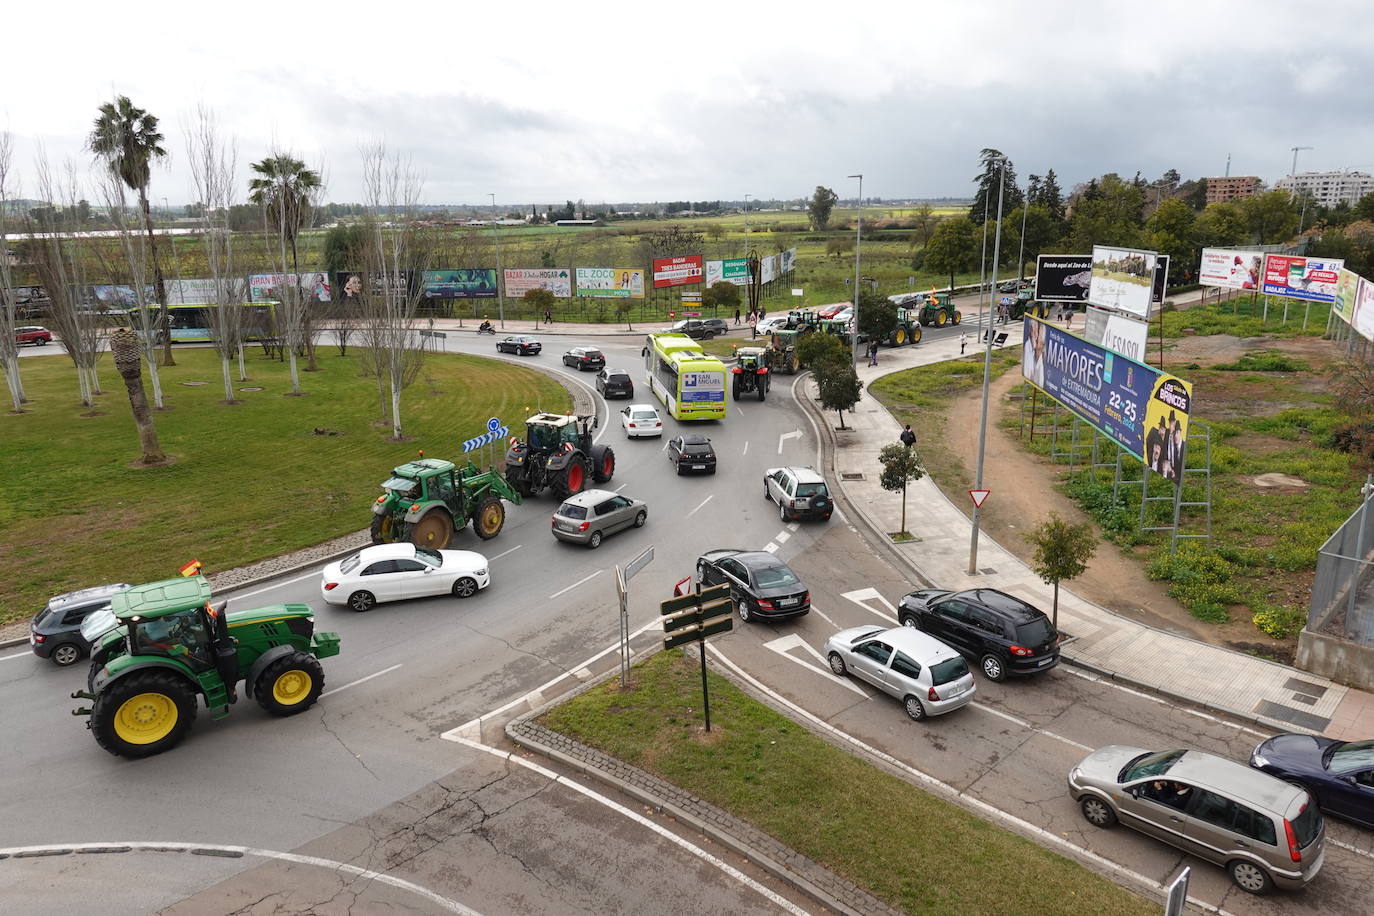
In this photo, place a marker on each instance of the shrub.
(1279, 621)
(1264, 361)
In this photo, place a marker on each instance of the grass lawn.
(912, 850)
(250, 481)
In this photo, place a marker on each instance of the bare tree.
(9, 348)
(146, 316)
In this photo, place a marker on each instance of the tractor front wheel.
(143, 713)
(735, 389)
(291, 684)
(941, 318)
(382, 529)
(603, 465)
(958, 316)
(490, 518)
(915, 333)
(434, 531)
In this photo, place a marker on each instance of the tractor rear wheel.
(434, 531)
(143, 713)
(382, 529)
(490, 518)
(291, 684)
(735, 389)
(573, 478)
(761, 383)
(603, 465)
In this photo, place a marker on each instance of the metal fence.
(1343, 591)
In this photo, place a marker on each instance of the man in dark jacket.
(908, 436)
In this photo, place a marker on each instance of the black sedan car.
(615, 383)
(522, 346)
(1338, 774)
(1002, 633)
(761, 586)
(695, 328)
(581, 358)
(692, 454)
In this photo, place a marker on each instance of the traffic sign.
(639, 562)
(493, 425)
(979, 497)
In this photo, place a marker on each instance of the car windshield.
(399, 484)
(951, 669)
(427, 555)
(696, 448)
(811, 489)
(1149, 765)
(775, 577)
(568, 510)
(1034, 632)
(350, 563)
(643, 415)
(98, 623)
(1352, 755)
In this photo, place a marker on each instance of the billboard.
(768, 268)
(1062, 277)
(1122, 279)
(610, 282)
(680, 271)
(1347, 287)
(464, 283)
(351, 285)
(1230, 269)
(1118, 333)
(731, 270)
(1311, 279)
(114, 296)
(557, 280)
(268, 287)
(202, 292)
(1143, 410)
(787, 260)
(1161, 279)
(1364, 310)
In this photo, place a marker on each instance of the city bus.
(193, 323)
(688, 382)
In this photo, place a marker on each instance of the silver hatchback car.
(587, 517)
(1262, 830)
(928, 676)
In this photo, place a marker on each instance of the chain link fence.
(1343, 591)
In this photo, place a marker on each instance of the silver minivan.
(1262, 830)
(587, 517)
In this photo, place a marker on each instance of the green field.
(903, 845)
(250, 481)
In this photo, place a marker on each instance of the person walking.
(736, 316)
(548, 317)
(908, 437)
(963, 342)
(873, 353)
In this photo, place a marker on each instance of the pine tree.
(989, 183)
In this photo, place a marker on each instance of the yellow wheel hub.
(940, 319)
(145, 718)
(291, 687)
(491, 519)
(901, 335)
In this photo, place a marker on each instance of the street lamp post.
(500, 275)
(858, 242)
(746, 224)
(987, 379)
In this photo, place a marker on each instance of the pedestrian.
(908, 437)
(736, 316)
(963, 342)
(873, 353)
(548, 317)
(1068, 316)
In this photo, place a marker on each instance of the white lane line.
(946, 790)
(699, 505)
(768, 894)
(452, 906)
(5, 658)
(771, 547)
(576, 584)
(1028, 726)
(360, 681)
(504, 552)
(1088, 676)
(861, 595)
(746, 447)
(794, 526)
(782, 537)
(621, 487)
(816, 610)
(1355, 849)
(274, 585)
(784, 645)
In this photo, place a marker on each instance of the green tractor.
(782, 349)
(750, 372)
(936, 309)
(558, 454)
(168, 646)
(425, 501)
(907, 330)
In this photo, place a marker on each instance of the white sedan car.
(395, 572)
(641, 420)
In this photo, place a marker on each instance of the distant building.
(1326, 189)
(1220, 190)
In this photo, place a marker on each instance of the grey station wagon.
(589, 516)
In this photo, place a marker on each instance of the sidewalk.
(1275, 695)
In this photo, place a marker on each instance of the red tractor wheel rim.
(607, 465)
(575, 478)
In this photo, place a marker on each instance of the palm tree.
(127, 354)
(285, 189)
(127, 138)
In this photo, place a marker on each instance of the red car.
(830, 311)
(32, 335)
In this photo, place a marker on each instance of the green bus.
(688, 382)
(194, 323)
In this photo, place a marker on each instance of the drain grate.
(852, 475)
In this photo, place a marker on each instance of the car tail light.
(766, 605)
(1294, 852)
(634, 426)
(330, 586)
(932, 695)
(658, 423)
(39, 637)
(806, 597)
(1021, 651)
(584, 526)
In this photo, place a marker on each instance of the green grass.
(250, 481)
(912, 850)
(1240, 317)
(1264, 361)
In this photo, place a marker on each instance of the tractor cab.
(171, 619)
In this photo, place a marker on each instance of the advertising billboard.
(1062, 277)
(731, 270)
(1347, 287)
(680, 271)
(113, 296)
(203, 292)
(464, 283)
(1230, 269)
(1118, 333)
(351, 285)
(268, 287)
(1122, 279)
(557, 280)
(1161, 279)
(1364, 310)
(787, 260)
(1140, 408)
(768, 268)
(1311, 279)
(610, 282)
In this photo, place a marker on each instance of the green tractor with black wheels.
(936, 309)
(427, 500)
(750, 372)
(907, 330)
(558, 454)
(782, 349)
(170, 647)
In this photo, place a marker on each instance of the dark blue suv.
(55, 631)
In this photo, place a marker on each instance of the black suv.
(615, 382)
(692, 453)
(55, 631)
(761, 585)
(719, 325)
(1004, 634)
(694, 328)
(581, 358)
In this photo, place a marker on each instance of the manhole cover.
(852, 476)
(250, 389)
(194, 384)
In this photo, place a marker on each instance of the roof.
(589, 497)
(422, 466)
(401, 550)
(81, 596)
(1235, 780)
(695, 439)
(552, 419)
(1000, 601)
(921, 646)
(803, 474)
(158, 598)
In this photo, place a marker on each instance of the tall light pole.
(1293, 176)
(987, 379)
(858, 241)
(746, 224)
(500, 275)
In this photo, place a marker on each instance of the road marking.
(782, 537)
(794, 434)
(621, 487)
(576, 584)
(6, 658)
(771, 547)
(504, 552)
(794, 526)
(746, 447)
(1355, 849)
(860, 595)
(452, 906)
(1088, 676)
(699, 505)
(1031, 727)
(783, 645)
(816, 610)
(770, 895)
(359, 681)
(273, 586)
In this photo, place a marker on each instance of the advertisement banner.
(1364, 310)
(680, 271)
(1118, 333)
(610, 282)
(1161, 279)
(351, 285)
(787, 260)
(768, 268)
(203, 292)
(557, 280)
(464, 283)
(1122, 279)
(1311, 279)
(1347, 287)
(120, 297)
(731, 270)
(1062, 277)
(268, 287)
(1118, 396)
(1230, 269)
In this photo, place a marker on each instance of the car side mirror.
(429, 569)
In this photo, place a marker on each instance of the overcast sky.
(611, 102)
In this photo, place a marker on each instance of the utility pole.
(500, 275)
(1293, 176)
(987, 380)
(858, 241)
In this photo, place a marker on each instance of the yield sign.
(979, 496)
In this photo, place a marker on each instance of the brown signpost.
(694, 617)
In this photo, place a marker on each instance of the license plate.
(956, 691)
(698, 467)
(1044, 661)
(786, 602)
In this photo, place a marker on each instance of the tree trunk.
(228, 384)
(904, 505)
(16, 386)
(1055, 621)
(128, 360)
(395, 410)
(243, 374)
(159, 287)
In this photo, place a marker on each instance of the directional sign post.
(495, 431)
(622, 577)
(694, 617)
